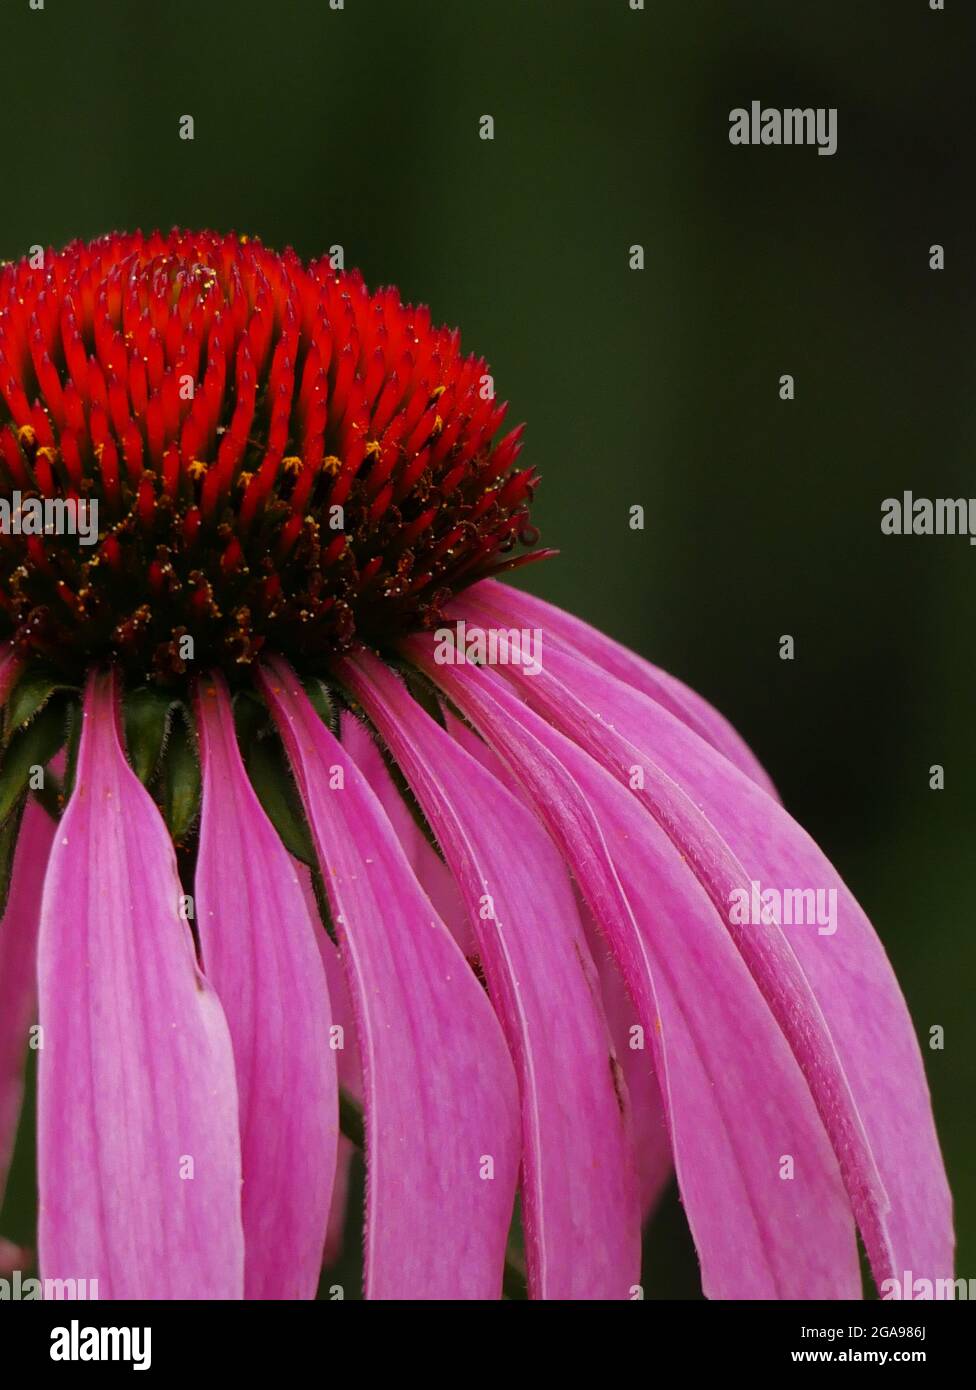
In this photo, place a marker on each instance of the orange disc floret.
(202, 437)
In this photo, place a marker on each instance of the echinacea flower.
(282, 839)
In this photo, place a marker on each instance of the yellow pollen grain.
(331, 464)
(197, 470)
(373, 447)
(27, 434)
(292, 464)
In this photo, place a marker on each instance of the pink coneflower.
(282, 839)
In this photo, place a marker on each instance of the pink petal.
(335, 1231)
(511, 606)
(136, 1085)
(258, 945)
(652, 1143)
(18, 969)
(342, 1041)
(579, 1191)
(431, 873)
(737, 1103)
(346, 1047)
(842, 986)
(441, 1099)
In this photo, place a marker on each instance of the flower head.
(314, 834)
(279, 458)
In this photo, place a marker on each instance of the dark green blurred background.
(657, 387)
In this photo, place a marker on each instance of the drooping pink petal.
(344, 1045)
(441, 1097)
(258, 946)
(431, 873)
(844, 975)
(138, 1150)
(511, 607)
(342, 1039)
(579, 1191)
(335, 1230)
(759, 1181)
(766, 952)
(652, 1143)
(474, 744)
(18, 969)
